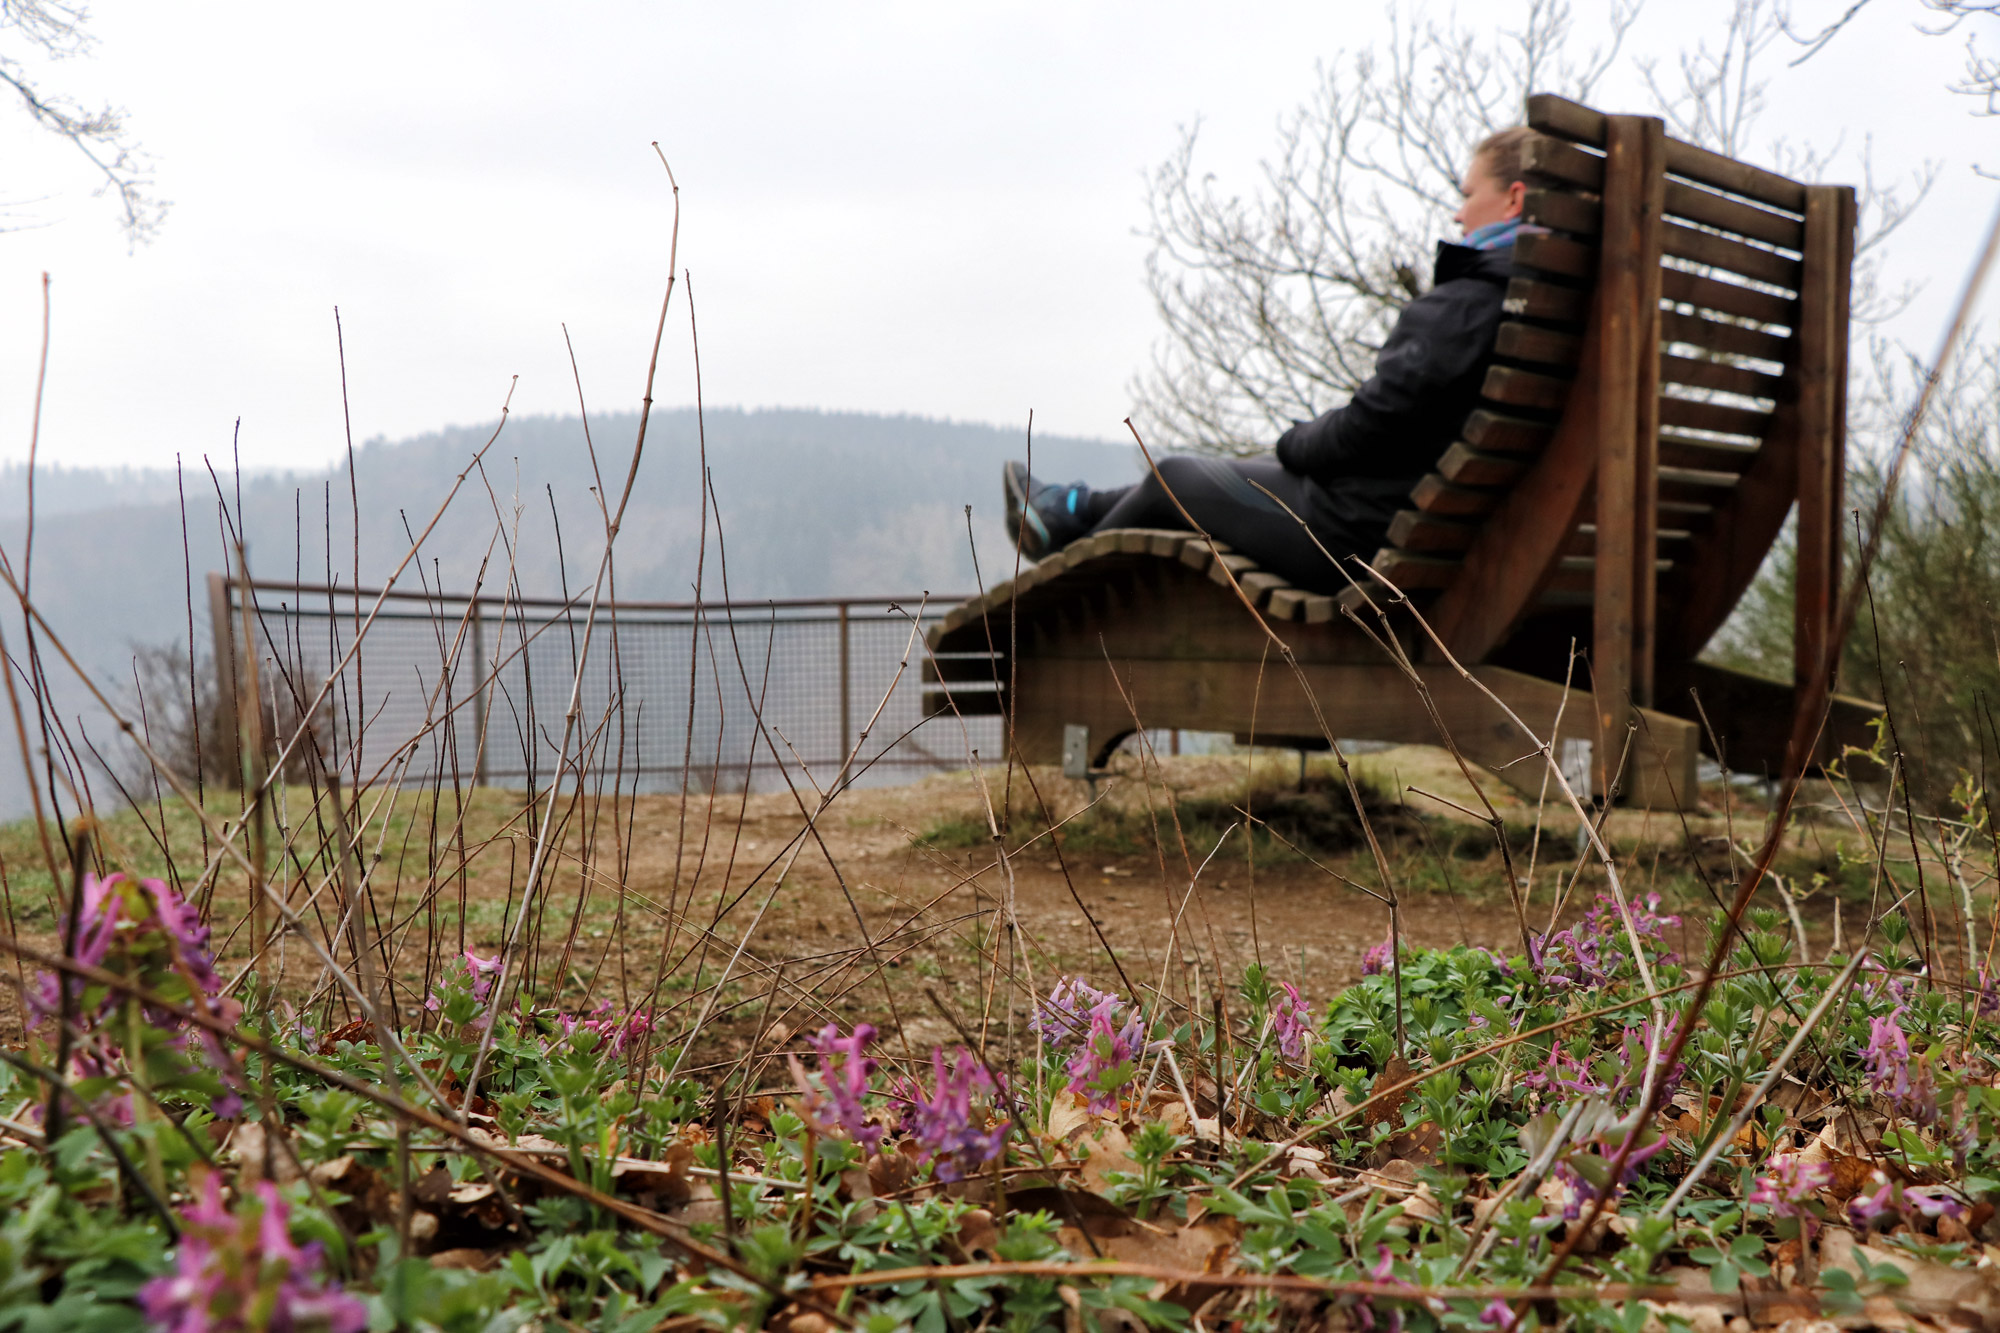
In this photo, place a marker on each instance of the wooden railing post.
(222, 631)
(846, 669)
(1822, 426)
(478, 695)
(1628, 428)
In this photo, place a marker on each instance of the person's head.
(1492, 187)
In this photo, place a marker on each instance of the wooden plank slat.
(1695, 204)
(1286, 603)
(1687, 451)
(964, 703)
(1413, 573)
(1529, 299)
(1414, 530)
(1727, 298)
(1551, 114)
(1513, 553)
(1259, 584)
(1702, 374)
(1691, 415)
(1514, 387)
(1726, 173)
(1554, 253)
(1435, 495)
(1561, 160)
(1731, 255)
(1728, 553)
(1537, 345)
(1565, 119)
(1166, 544)
(1220, 568)
(1498, 433)
(1562, 210)
(1625, 584)
(1698, 478)
(1583, 542)
(1466, 466)
(1319, 608)
(1823, 350)
(1097, 544)
(1717, 335)
(959, 668)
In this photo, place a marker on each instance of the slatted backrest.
(1669, 378)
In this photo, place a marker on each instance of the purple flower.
(241, 1271)
(945, 1124)
(1589, 955)
(1788, 1183)
(1291, 1023)
(1586, 1175)
(1563, 1075)
(467, 974)
(1064, 1017)
(616, 1033)
(1889, 1073)
(143, 930)
(1378, 959)
(1499, 1314)
(834, 1104)
(1383, 1271)
(1894, 1197)
(1640, 1050)
(1108, 1058)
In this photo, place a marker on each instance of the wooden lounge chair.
(1670, 379)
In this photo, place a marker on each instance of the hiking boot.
(1042, 517)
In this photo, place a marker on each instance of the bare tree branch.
(56, 29)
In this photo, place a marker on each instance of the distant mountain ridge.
(812, 504)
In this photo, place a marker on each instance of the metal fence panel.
(670, 695)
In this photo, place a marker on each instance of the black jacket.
(1369, 453)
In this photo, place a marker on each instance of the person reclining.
(1345, 473)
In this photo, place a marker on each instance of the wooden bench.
(1669, 380)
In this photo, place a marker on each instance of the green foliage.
(1923, 640)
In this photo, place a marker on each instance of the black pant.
(1219, 495)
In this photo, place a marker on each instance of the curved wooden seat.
(1137, 627)
(1668, 381)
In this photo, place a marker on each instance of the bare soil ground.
(739, 923)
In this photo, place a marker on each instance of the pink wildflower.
(1888, 1056)
(1291, 1023)
(1585, 1176)
(1378, 958)
(945, 1124)
(1894, 1197)
(834, 1105)
(614, 1033)
(1384, 1271)
(1563, 1075)
(241, 1272)
(1591, 953)
(1064, 1017)
(1108, 1058)
(143, 929)
(1788, 1184)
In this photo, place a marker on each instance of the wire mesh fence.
(668, 696)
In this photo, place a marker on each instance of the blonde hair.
(1501, 152)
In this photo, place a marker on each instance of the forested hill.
(811, 503)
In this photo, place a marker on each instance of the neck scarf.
(1493, 235)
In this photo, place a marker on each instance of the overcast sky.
(920, 208)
